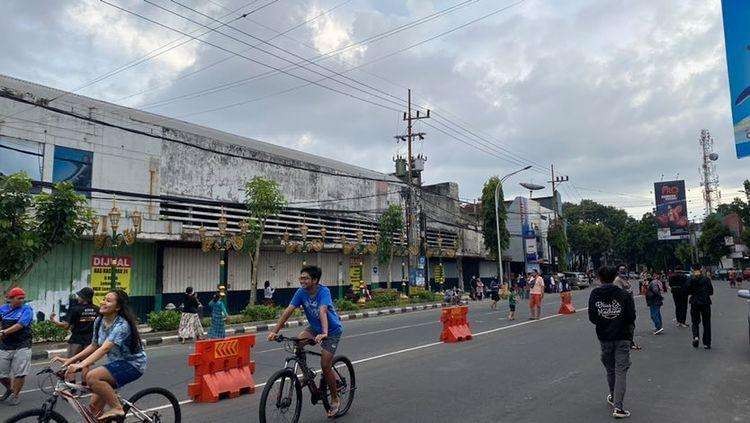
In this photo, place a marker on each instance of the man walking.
(537, 292)
(15, 344)
(80, 321)
(655, 300)
(678, 283)
(612, 310)
(701, 290)
(494, 293)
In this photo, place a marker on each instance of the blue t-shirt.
(22, 315)
(119, 334)
(312, 304)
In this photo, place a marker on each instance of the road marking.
(402, 351)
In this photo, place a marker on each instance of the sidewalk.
(47, 351)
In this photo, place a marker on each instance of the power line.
(249, 58)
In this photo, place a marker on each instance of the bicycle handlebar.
(302, 341)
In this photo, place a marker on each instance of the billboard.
(737, 41)
(671, 210)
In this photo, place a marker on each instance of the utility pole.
(413, 227)
(556, 180)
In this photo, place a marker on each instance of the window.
(74, 166)
(17, 155)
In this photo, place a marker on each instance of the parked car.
(576, 280)
(744, 293)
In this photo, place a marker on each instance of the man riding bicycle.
(324, 324)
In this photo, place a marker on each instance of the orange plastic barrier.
(455, 324)
(566, 303)
(222, 368)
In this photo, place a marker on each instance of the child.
(512, 305)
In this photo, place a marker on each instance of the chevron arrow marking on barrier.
(226, 349)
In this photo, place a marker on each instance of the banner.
(737, 41)
(671, 210)
(531, 250)
(439, 273)
(355, 274)
(101, 272)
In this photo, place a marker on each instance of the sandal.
(333, 410)
(112, 415)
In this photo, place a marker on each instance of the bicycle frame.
(299, 362)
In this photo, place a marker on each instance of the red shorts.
(536, 300)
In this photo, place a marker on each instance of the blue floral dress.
(218, 313)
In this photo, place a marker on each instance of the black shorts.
(512, 307)
(330, 343)
(495, 296)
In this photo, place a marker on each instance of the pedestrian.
(495, 293)
(701, 290)
(623, 282)
(537, 293)
(80, 321)
(268, 294)
(678, 283)
(480, 290)
(15, 344)
(219, 316)
(654, 301)
(512, 305)
(190, 321)
(612, 310)
(731, 276)
(521, 284)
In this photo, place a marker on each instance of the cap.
(16, 292)
(86, 293)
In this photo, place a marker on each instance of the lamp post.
(112, 238)
(223, 242)
(497, 223)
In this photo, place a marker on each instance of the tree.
(745, 237)
(711, 242)
(736, 206)
(489, 227)
(590, 241)
(746, 185)
(263, 199)
(391, 223)
(31, 226)
(685, 252)
(558, 240)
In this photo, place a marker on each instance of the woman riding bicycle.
(116, 336)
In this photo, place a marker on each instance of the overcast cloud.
(613, 93)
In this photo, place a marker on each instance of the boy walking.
(612, 310)
(512, 305)
(654, 301)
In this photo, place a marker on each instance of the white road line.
(405, 350)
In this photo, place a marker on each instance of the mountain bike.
(282, 396)
(152, 405)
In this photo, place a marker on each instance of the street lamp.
(223, 242)
(497, 223)
(112, 238)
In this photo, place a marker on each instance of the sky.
(613, 94)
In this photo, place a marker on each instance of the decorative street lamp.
(113, 239)
(223, 242)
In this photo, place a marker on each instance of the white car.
(744, 293)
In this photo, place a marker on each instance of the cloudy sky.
(613, 93)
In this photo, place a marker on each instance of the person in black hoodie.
(612, 310)
(678, 282)
(701, 289)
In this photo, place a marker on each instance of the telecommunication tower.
(709, 178)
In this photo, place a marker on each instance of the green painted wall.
(67, 268)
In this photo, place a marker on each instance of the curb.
(173, 339)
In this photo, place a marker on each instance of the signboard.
(737, 39)
(439, 274)
(671, 210)
(531, 252)
(355, 274)
(101, 272)
(729, 240)
(416, 277)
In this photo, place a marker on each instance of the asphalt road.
(520, 371)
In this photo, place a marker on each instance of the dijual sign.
(737, 40)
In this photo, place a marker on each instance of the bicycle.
(146, 406)
(288, 394)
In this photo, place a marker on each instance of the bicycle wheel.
(37, 415)
(281, 400)
(345, 383)
(156, 405)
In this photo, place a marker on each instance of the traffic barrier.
(566, 303)
(222, 368)
(455, 324)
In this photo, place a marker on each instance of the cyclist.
(324, 324)
(116, 336)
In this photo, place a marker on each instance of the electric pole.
(414, 231)
(555, 181)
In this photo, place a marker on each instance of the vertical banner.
(101, 272)
(439, 274)
(355, 274)
(671, 210)
(737, 42)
